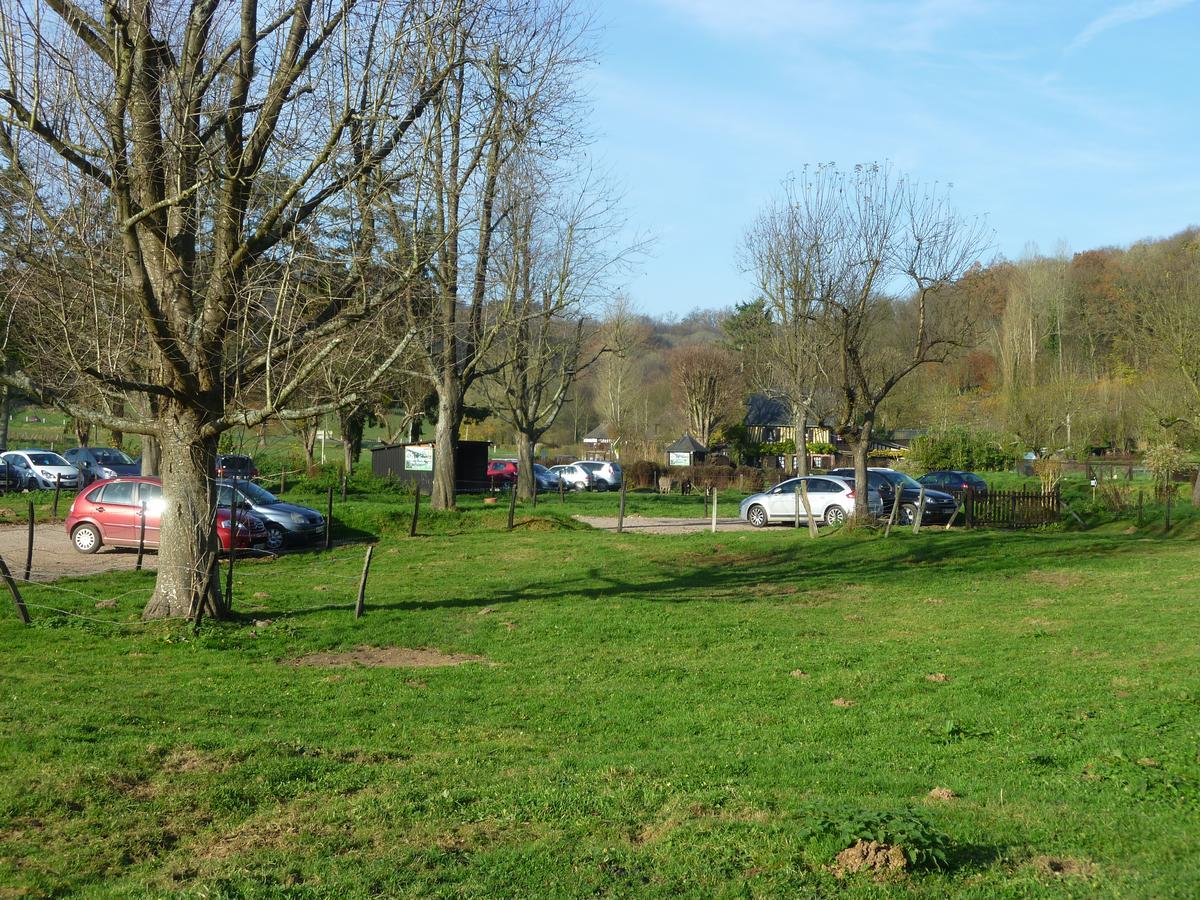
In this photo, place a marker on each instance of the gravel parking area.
(54, 557)
(652, 525)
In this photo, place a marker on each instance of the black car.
(10, 478)
(955, 482)
(939, 506)
(235, 465)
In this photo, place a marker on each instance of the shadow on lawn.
(714, 573)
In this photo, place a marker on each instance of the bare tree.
(791, 249)
(707, 384)
(871, 235)
(513, 97)
(183, 167)
(559, 257)
(624, 334)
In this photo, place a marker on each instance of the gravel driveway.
(656, 525)
(54, 557)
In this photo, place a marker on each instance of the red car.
(501, 472)
(109, 512)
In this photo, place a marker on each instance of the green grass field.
(652, 715)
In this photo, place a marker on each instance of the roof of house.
(598, 435)
(687, 444)
(764, 410)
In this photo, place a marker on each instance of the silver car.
(604, 475)
(832, 500)
(573, 476)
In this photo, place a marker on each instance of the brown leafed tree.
(196, 181)
(707, 384)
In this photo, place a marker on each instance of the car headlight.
(45, 473)
(107, 473)
(298, 519)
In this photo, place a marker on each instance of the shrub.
(642, 474)
(1049, 471)
(959, 448)
(923, 845)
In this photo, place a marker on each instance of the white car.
(605, 475)
(832, 500)
(573, 476)
(41, 469)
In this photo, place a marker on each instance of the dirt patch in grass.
(1063, 866)
(1056, 579)
(185, 760)
(385, 658)
(870, 856)
(939, 677)
(942, 793)
(842, 702)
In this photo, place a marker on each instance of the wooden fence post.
(1141, 502)
(714, 510)
(887, 529)
(29, 545)
(362, 584)
(329, 519)
(920, 516)
(969, 507)
(141, 537)
(562, 490)
(1170, 496)
(412, 528)
(343, 488)
(57, 492)
(512, 504)
(233, 531)
(12, 589)
(621, 510)
(282, 480)
(797, 522)
(808, 513)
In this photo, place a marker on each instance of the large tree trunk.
(188, 542)
(445, 463)
(525, 477)
(862, 486)
(800, 420)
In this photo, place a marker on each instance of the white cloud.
(1125, 14)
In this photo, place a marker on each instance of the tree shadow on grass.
(755, 576)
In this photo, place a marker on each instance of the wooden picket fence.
(1011, 509)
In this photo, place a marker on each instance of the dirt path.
(657, 525)
(54, 557)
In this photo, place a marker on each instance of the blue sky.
(1073, 121)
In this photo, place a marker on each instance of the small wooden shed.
(414, 462)
(687, 451)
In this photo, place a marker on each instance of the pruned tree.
(880, 252)
(707, 382)
(196, 179)
(559, 257)
(792, 253)
(513, 97)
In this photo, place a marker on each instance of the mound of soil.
(942, 793)
(1063, 866)
(870, 856)
(385, 658)
(937, 676)
(842, 702)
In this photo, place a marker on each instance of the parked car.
(110, 511)
(604, 475)
(832, 500)
(98, 463)
(502, 472)
(41, 469)
(939, 506)
(286, 523)
(546, 480)
(573, 476)
(10, 478)
(235, 465)
(952, 481)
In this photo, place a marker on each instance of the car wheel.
(908, 514)
(275, 537)
(835, 516)
(86, 539)
(601, 485)
(757, 516)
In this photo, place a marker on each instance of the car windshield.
(540, 469)
(250, 491)
(108, 456)
(899, 478)
(47, 459)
